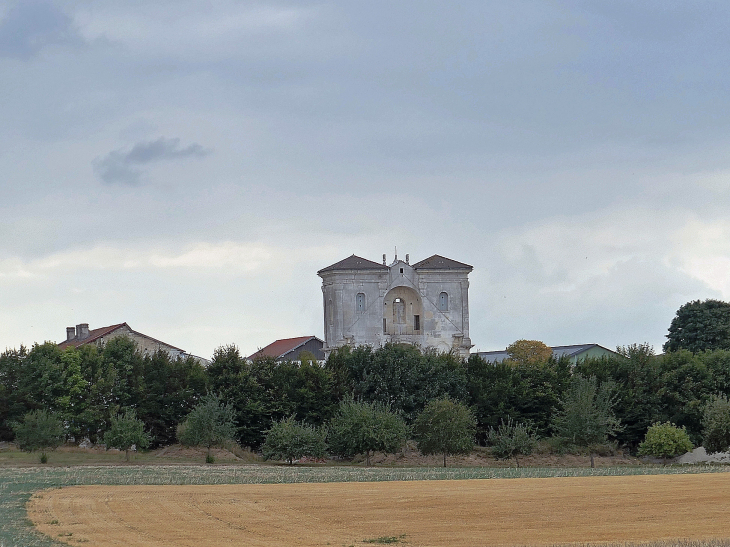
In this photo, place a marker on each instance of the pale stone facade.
(424, 304)
(81, 335)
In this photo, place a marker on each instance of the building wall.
(313, 346)
(145, 344)
(377, 306)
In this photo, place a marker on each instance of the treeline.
(89, 386)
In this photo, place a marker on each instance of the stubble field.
(519, 511)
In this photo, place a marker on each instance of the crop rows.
(18, 484)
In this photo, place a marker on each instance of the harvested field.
(419, 513)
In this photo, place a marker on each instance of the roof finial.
(396, 254)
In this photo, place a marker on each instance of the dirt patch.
(419, 513)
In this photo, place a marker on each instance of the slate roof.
(95, 334)
(279, 348)
(438, 262)
(558, 352)
(354, 263)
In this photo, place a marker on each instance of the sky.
(187, 167)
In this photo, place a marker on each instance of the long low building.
(575, 353)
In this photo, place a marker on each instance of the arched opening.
(402, 312)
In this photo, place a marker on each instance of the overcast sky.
(187, 167)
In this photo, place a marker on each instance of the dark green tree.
(700, 326)
(586, 415)
(445, 427)
(291, 440)
(512, 440)
(404, 378)
(210, 424)
(126, 431)
(364, 428)
(39, 430)
(716, 425)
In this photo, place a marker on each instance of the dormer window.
(443, 302)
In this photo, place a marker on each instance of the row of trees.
(88, 387)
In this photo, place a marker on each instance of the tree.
(211, 423)
(700, 326)
(445, 427)
(586, 416)
(39, 430)
(360, 427)
(512, 439)
(665, 441)
(716, 425)
(529, 352)
(126, 431)
(290, 440)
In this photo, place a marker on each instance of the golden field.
(418, 513)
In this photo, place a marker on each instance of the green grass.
(17, 484)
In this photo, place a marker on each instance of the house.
(81, 335)
(288, 349)
(575, 353)
(424, 304)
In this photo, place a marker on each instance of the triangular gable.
(438, 262)
(354, 263)
(282, 347)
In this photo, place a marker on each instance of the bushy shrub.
(445, 427)
(290, 440)
(126, 431)
(363, 428)
(512, 439)
(209, 424)
(665, 440)
(39, 430)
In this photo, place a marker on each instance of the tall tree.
(586, 416)
(210, 424)
(445, 427)
(700, 326)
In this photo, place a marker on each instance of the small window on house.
(401, 270)
(360, 302)
(416, 322)
(385, 326)
(444, 302)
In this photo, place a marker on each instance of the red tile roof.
(281, 347)
(93, 335)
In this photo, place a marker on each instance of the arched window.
(444, 302)
(360, 302)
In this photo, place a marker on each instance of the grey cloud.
(30, 26)
(122, 167)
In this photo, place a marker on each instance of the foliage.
(586, 416)
(126, 431)
(526, 393)
(700, 326)
(665, 440)
(402, 377)
(512, 439)
(264, 391)
(445, 427)
(362, 427)
(291, 440)
(529, 352)
(209, 424)
(716, 425)
(39, 430)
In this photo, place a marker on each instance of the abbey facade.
(424, 304)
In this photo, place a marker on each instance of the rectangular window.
(360, 302)
(416, 322)
(385, 329)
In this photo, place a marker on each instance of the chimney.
(408, 258)
(70, 333)
(82, 331)
(384, 264)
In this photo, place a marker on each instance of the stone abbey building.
(424, 304)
